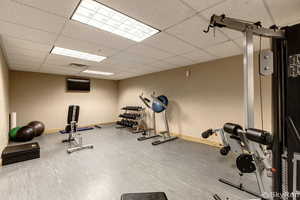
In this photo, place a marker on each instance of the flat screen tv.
(78, 84)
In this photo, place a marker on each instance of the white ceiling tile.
(130, 70)
(202, 4)
(109, 62)
(124, 76)
(30, 56)
(232, 34)
(120, 77)
(199, 56)
(55, 70)
(63, 68)
(24, 49)
(130, 58)
(147, 51)
(265, 43)
(90, 34)
(169, 43)
(191, 31)
(84, 46)
(16, 57)
(284, 12)
(153, 70)
(160, 65)
(59, 7)
(23, 68)
(250, 10)
(134, 68)
(160, 14)
(226, 49)
(178, 61)
(22, 32)
(12, 52)
(25, 62)
(24, 15)
(24, 45)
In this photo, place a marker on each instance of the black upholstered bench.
(144, 196)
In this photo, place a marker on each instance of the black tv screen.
(76, 84)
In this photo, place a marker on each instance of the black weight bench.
(144, 196)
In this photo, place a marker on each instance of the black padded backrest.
(145, 196)
(73, 113)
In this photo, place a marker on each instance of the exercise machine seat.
(144, 196)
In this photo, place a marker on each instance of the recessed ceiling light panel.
(98, 72)
(100, 16)
(77, 54)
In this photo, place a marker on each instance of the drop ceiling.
(30, 28)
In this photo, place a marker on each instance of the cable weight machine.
(250, 139)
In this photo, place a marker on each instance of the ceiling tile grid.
(24, 61)
(199, 56)
(178, 61)
(201, 5)
(169, 43)
(250, 10)
(191, 31)
(16, 43)
(23, 67)
(65, 68)
(16, 13)
(149, 52)
(83, 32)
(30, 28)
(160, 65)
(85, 46)
(25, 33)
(225, 49)
(284, 12)
(57, 7)
(130, 58)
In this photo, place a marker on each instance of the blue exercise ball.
(157, 107)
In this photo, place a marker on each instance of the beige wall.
(4, 102)
(211, 96)
(37, 96)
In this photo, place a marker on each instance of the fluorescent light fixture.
(100, 16)
(98, 72)
(77, 54)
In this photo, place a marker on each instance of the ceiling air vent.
(78, 65)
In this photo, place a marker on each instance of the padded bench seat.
(144, 196)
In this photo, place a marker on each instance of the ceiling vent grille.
(78, 65)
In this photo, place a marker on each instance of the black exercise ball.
(25, 134)
(38, 128)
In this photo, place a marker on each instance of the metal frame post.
(248, 80)
(248, 61)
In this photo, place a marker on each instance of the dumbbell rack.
(131, 118)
